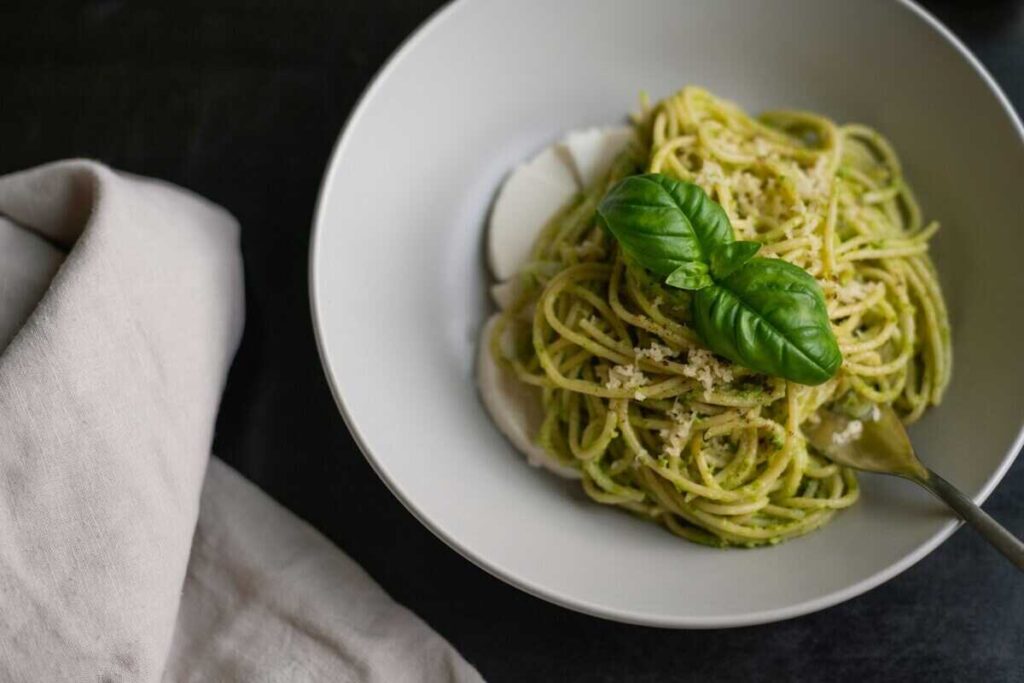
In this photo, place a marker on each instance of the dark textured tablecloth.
(242, 101)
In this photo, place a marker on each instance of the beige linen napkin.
(120, 311)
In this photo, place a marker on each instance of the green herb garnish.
(765, 314)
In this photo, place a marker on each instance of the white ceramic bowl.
(398, 277)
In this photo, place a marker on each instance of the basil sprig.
(765, 314)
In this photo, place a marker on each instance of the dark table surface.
(241, 101)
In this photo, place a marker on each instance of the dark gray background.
(241, 101)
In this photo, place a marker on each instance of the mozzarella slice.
(593, 150)
(514, 407)
(533, 193)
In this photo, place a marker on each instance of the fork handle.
(995, 533)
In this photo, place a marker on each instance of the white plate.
(399, 286)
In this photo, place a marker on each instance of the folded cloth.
(120, 310)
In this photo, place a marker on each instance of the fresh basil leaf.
(664, 223)
(726, 258)
(765, 314)
(690, 275)
(770, 316)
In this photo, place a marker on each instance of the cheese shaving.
(703, 366)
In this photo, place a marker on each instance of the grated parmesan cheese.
(854, 291)
(710, 173)
(677, 436)
(851, 432)
(657, 352)
(627, 377)
(748, 193)
(702, 366)
(813, 184)
(748, 183)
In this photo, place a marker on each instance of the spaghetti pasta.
(654, 422)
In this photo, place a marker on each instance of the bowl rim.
(421, 33)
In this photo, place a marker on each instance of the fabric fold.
(108, 395)
(302, 610)
(122, 309)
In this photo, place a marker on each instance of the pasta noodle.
(653, 421)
